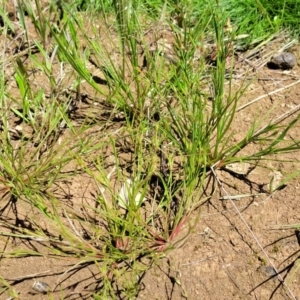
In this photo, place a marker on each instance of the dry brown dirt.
(221, 259)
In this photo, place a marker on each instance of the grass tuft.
(146, 129)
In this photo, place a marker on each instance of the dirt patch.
(222, 261)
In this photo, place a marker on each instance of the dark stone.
(283, 61)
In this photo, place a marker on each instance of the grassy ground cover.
(160, 107)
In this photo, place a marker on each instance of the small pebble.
(283, 61)
(41, 287)
(270, 271)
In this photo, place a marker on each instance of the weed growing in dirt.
(146, 126)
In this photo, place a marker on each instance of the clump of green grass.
(260, 19)
(173, 131)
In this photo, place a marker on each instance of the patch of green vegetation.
(261, 18)
(262, 260)
(172, 127)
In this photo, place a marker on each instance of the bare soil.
(221, 259)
